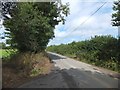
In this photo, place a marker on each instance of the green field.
(6, 53)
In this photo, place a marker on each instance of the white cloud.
(99, 24)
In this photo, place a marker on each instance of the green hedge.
(99, 50)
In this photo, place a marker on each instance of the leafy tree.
(32, 24)
(116, 22)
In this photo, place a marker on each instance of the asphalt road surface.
(69, 73)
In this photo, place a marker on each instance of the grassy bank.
(24, 65)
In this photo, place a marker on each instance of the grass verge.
(24, 66)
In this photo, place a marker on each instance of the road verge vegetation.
(101, 51)
(24, 66)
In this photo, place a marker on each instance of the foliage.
(99, 50)
(7, 53)
(116, 15)
(32, 24)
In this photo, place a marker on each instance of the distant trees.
(103, 47)
(32, 24)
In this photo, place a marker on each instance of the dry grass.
(23, 67)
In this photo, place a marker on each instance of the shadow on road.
(80, 78)
(55, 57)
(72, 78)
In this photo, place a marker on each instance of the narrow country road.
(69, 73)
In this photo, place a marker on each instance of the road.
(69, 73)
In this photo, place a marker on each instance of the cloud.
(98, 24)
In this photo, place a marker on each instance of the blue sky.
(80, 10)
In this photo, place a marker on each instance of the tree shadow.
(81, 78)
(72, 78)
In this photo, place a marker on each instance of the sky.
(80, 11)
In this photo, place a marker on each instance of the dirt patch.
(23, 67)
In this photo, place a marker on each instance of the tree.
(116, 15)
(32, 24)
(116, 22)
